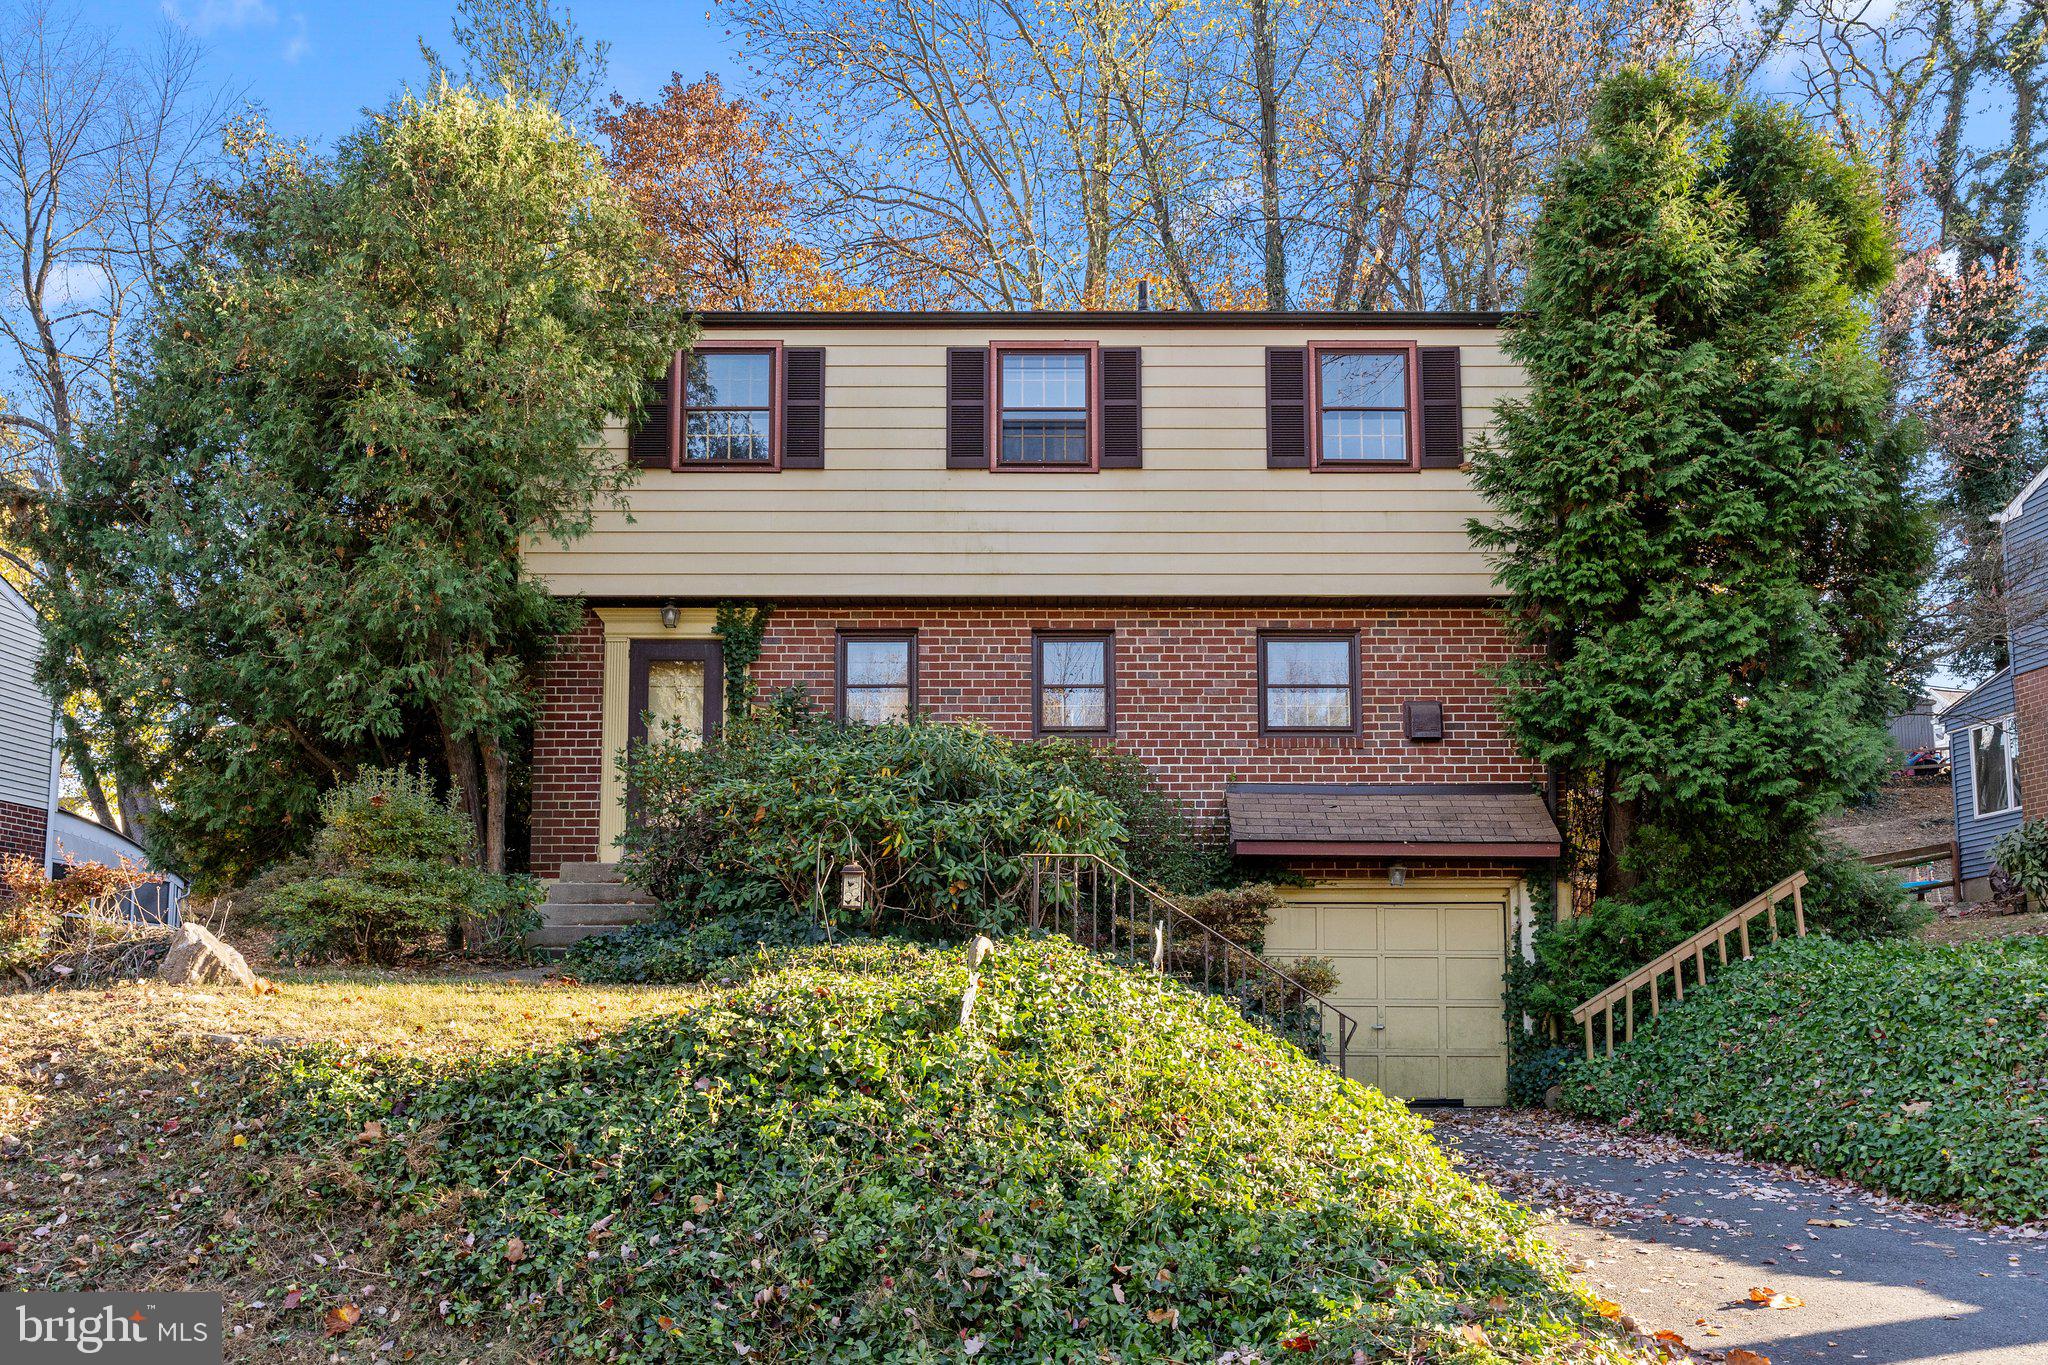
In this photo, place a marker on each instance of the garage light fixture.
(1397, 875)
(670, 615)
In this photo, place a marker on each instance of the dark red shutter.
(1123, 420)
(803, 409)
(1287, 408)
(967, 407)
(1443, 407)
(647, 444)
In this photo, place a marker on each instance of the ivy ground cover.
(1918, 1069)
(815, 1162)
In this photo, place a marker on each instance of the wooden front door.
(677, 687)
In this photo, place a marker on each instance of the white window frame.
(2012, 767)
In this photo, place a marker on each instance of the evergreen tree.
(381, 378)
(1702, 520)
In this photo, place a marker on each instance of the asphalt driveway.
(1679, 1238)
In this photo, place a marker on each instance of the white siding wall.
(1204, 517)
(25, 715)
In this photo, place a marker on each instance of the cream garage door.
(1422, 976)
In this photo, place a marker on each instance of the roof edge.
(1099, 318)
(2019, 501)
(1462, 848)
(1383, 789)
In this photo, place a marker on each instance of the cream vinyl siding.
(1204, 517)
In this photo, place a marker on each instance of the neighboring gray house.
(1999, 730)
(31, 824)
(28, 734)
(1983, 776)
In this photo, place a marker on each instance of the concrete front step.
(556, 937)
(589, 872)
(597, 893)
(610, 914)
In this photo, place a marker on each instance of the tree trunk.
(461, 757)
(1618, 827)
(494, 815)
(1266, 84)
(88, 772)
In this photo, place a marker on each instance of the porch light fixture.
(670, 615)
(1397, 875)
(853, 887)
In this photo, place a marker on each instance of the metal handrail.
(1715, 936)
(1057, 882)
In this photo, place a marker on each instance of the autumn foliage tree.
(703, 175)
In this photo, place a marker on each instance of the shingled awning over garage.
(1450, 820)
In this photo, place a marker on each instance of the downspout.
(56, 780)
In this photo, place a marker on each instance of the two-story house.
(1233, 545)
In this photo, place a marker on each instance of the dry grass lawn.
(124, 1163)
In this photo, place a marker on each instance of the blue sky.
(315, 66)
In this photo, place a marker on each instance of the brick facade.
(1186, 695)
(568, 752)
(24, 830)
(2030, 704)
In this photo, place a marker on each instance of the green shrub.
(2023, 853)
(938, 816)
(389, 877)
(1162, 847)
(664, 953)
(1910, 1067)
(816, 1164)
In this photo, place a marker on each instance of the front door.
(676, 689)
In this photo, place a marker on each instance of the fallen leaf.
(372, 1131)
(1475, 1334)
(1829, 1223)
(291, 1301)
(1670, 1338)
(1607, 1308)
(342, 1317)
(1738, 1356)
(1759, 1293)
(515, 1249)
(1787, 1301)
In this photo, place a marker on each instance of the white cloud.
(213, 16)
(298, 45)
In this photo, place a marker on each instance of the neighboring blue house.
(1999, 731)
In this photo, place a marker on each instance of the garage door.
(1421, 976)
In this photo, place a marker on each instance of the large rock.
(198, 958)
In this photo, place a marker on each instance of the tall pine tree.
(1702, 522)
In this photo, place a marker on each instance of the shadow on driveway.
(1679, 1236)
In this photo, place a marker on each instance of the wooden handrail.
(1715, 936)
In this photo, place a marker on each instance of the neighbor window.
(1308, 683)
(1362, 405)
(1994, 767)
(728, 404)
(877, 678)
(1043, 398)
(1073, 675)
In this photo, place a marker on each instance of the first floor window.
(1994, 767)
(1044, 405)
(877, 678)
(1073, 680)
(1363, 397)
(728, 397)
(1308, 683)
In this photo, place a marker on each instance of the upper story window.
(1308, 683)
(1073, 677)
(1994, 768)
(1043, 406)
(729, 407)
(1364, 402)
(877, 677)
